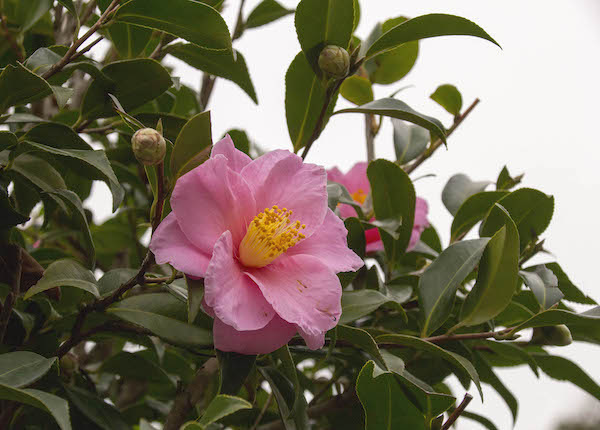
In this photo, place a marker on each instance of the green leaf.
(589, 319)
(393, 65)
(234, 370)
(221, 406)
(191, 20)
(323, 22)
(473, 210)
(104, 415)
(73, 202)
(571, 292)
(357, 304)
(448, 97)
(514, 353)
(362, 340)
(463, 366)
(479, 419)
(266, 12)
(218, 63)
(393, 198)
(9, 217)
(7, 140)
(131, 91)
(544, 285)
(531, 209)
(31, 11)
(440, 281)
(57, 136)
(195, 294)
(283, 391)
(161, 314)
(65, 273)
(54, 405)
(113, 279)
(135, 366)
(489, 377)
(384, 401)
(68, 4)
(458, 189)
(426, 26)
(357, 89)
(192, 146)
(304, 100)
(87, 158)
(240, 140)
(497, 277)
(21, 368)
(19, 86)
(399, 110)
(505, 181)
(565, 370)
(356, 236)
(410, 141)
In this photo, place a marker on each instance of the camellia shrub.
(238, 288)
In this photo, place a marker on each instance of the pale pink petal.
(313, 341)
(210, 200)
(356, 179)
(237, 159)
(420, 223)
(233, 296)
(292, 184)
(329, 244)
(259, 169)
(263, 341)
(346, 211)
(334, 174)
(302, 290)
(170, 245)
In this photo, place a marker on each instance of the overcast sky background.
(538, 113)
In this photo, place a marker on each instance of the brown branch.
(87, 48)
(457, 412)
(435, 145)
(101, 130)
(88, 12)
(73, 49)
(10, 39)
(239, 24)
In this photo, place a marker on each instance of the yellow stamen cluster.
(269, 235)
(359, 196)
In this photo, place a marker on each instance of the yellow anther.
(269, 235)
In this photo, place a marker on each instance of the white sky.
(537, 114)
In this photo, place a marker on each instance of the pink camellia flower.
(268, 247)
(357, 184)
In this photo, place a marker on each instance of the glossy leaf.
(283, 391)
(28, 13)
(357, 304)
(22, 368)
(193, 144)
(54, 405)
(68, 4)
(544, 285)
(589, 319)
(323, 22)
(7, 140)
(217, 63)
(99, 412)
(565, 370)
(195, 288)
(221, 406)
(298, 413)
(426, 26)
(513, 352)
(65, 273)
(458, 189)
(363, 340)
(161, 314)
(234, 369)
(9, 216)
(473, 210)
(497, 276)
(440, 281)
(505, 181)
(571, 292)
(191, 20)
(448, 97)
(399, 110)
(266, 12)
(488, 376)
(410, 141)
(19, 86)
(357, 89)
(135, 366)
(113, 279)
(393, 198)
(479, 419)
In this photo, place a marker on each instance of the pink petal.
(210, 200)
(356, 179)
(346, 211)
(420, 223)
(284, 180)
(302, 290)
(237, 159)
(334, 174)
(263, 341)
(170, 245)
(373, 239)
(329, 244)
(233, 296)
(313, 341)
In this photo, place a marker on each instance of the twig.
(159, 48)
(456, 412)
(73, 49)
(88, 12)
(151, 280)
(370, 136)
(101, 130)
(87, 48)
(239, 24)
(263, 411)
(435, 145)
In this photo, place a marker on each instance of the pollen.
(359, 196)
(269, 235)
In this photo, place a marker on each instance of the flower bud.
(558, 335)
(69, 364)
(148, 146)
(334, 61)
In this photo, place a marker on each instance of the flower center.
(269, 235)
(359, 196)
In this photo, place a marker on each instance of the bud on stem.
(334, 61)
(148, 146)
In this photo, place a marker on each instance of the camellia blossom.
(261, 235)
(357, 184)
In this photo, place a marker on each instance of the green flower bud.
(334, 61)
(148, 146)
(69, 364)
(559, 335)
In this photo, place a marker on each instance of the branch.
(370, 137)
(457, 412)
(435, 145)
(73, 49)
(10, 39)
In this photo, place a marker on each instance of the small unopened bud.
(334, 61)
(148, 146)
(69, 364)
(558, 335)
